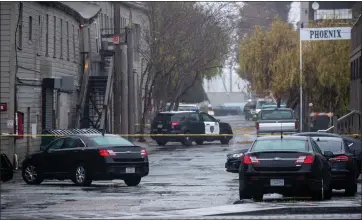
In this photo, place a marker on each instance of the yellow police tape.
(164, 135)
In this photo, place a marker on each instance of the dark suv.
(189, 126)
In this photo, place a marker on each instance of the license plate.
(159, 126)
(130, 170)
(277, 182)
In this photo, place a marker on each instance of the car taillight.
(340, 158)
(174, 124)
(305, 159)
(144, 153)
(257, 126)
(296, 125)
(251, 160)
(106, 153)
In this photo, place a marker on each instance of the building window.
(39, 36)
(55, 37)
(47, 36)
(20, 27)
(333, 14)
(61, 38)
(67, 40)
(30, 28)
(73, 42)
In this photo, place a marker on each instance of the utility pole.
(124, 85)
(131, 83)
(117, 71)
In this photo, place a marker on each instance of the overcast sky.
(238, 84)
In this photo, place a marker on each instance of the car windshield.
(260, 104)
(279, 145)
(111, 141)
(187, 108)
(328, 145)
(276, 114)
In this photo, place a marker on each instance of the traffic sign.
(116, 39)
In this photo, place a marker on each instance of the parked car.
(276, 120)
(7, 172)
(87, 157)
(354, 144)
(233, 161)
(344, 166)
(184, 126)
(289, 165)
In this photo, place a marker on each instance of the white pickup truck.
(276, 120)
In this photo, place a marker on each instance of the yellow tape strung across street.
(164, 135)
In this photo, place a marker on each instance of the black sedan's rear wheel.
(31, 175)
(132, 181)
(351, 187)
(81, 176)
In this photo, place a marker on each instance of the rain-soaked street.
(180, 178)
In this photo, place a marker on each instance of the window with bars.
(67, 40)
(20, 27)
(47, 36)
(61, 38)
(333, 14)
(55, 38)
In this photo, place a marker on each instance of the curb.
(299, 210)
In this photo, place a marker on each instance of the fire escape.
(95, 104)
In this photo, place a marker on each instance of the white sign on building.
(328, 33)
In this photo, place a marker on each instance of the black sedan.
(287, 165)
(354, 144)
(87, 157)
(343, 163)
(233, 161)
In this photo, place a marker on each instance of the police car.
(184, 127)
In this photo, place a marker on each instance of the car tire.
(225, 139)
(328, 192)
(258, 197)
(351, 188)
(81, 176)
(161, 143)
(187, 141)
(132, 181)
(244, 194)
(318, 195)
(31, 175)
(199, 142)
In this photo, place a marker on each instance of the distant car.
(276, 120)
(87, 157)
(287, 165)
(354, 144)
(7, 172)
(233, 161)
(344, 166)
(184, 126)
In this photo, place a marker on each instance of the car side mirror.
(328, 154)
(218, 120)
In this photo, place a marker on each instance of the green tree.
(270, 61)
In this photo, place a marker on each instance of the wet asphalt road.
(180, 178)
